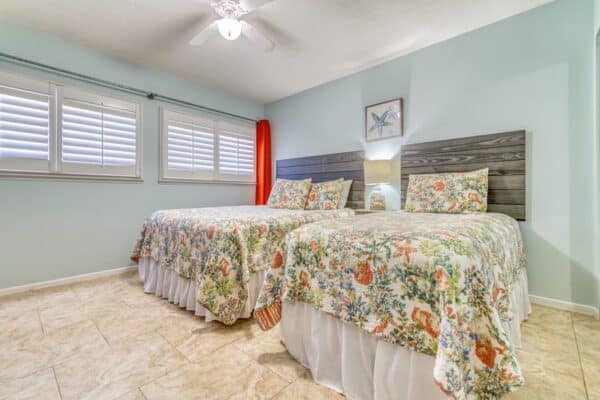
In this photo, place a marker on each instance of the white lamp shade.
(377, 172)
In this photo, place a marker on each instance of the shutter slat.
(24, 101)
(21, 144)
(189, 159)
(109, 136)
(81, 158)
(13, 116)
(82, 119)
(180, 149)
(82, 142)
(23, 153)
(16, 135)
(118, 126)
(179, 136)
(82, 127)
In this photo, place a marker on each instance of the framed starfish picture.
(384, 120)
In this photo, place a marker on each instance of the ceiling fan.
(231, 22)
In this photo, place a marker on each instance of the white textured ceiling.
(317, 40)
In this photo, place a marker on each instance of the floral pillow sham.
(455, 193)
(325, 195)
(347, 185)
(290, 194)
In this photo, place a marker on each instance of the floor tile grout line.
(100, 332)
(173, 346)
(57, 384)
(585, 386)
(281, 390)
(37, 311)
(142, 393)
(207, 354)
(156, 330)
(155, 379)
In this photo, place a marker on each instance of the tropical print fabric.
(435, 283)
(219, 247)
(346, 187)
(325, 195)
(290, 194)
(462, 192)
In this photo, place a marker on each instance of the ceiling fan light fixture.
(230, 28)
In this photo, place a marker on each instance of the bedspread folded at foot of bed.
(219, 247)
(436, 283)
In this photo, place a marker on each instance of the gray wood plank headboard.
(328, 167)
(503, 153)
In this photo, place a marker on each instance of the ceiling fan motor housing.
(228, 8)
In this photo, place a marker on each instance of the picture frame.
(384, 120)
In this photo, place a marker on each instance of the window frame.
(167, 176)
(54, 168)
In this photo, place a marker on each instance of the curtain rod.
(116, 86)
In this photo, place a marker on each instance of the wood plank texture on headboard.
(328, 167)
(503, 153)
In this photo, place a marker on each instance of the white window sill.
(172, 181)
(21, 175)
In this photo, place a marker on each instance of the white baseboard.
(565, 305)
(65, 281)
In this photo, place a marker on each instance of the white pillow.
(345, 193)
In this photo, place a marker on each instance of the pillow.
(345, 193)
(290, 194)
(462, 192)
(325, 195)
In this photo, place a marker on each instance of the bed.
(401, 305)
(213, 260)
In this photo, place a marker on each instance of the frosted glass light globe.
(230, 28)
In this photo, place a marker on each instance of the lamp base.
(377, 201)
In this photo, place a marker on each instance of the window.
(54, 131)
(236, 153)
(194, 148)
(99, 135)
(190, 147)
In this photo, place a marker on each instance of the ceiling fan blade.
(258, 37)
(204, 34)
(250, 5)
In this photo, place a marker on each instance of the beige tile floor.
(106, 339)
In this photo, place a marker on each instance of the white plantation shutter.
(47, 130)
(24, 124)
(195, 148)
(236, 156)
(99, 136)
(190, 149)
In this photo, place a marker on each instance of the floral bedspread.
(220, 247)
(435, 283)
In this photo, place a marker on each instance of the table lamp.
(377, 172)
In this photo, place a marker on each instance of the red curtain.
(263, 162)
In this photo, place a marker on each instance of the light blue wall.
(54, 229)
(596, 15)
(532, 71)
(596, 46)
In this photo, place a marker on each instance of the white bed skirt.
(351, 361)
(183, 292)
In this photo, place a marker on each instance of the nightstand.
(362, 211)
